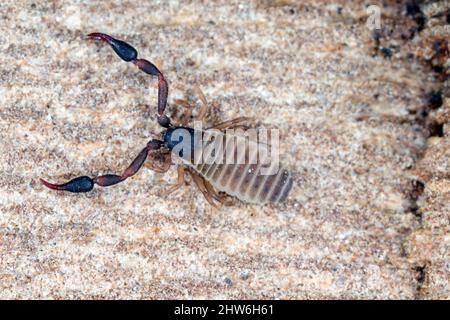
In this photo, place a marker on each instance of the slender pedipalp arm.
(86, 184)
(129, 54)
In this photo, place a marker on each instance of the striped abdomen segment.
(251, 178)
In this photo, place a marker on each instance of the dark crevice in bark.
(420, 274)
(410, 23)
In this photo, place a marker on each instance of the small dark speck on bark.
(387, 52)
(228, 281)
(435, 100)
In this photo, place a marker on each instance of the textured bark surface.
(429, 246)
(361, 128)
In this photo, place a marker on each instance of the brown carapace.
(243, 178)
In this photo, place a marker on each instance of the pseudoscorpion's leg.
(233, 123)
(86, 184)
(129, 54)
(181, 180)
(188, 113)
(222, 198)
(200, 182)
(204, 108)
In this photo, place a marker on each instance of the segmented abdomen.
(251, 177)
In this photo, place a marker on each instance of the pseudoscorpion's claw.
(80, 184)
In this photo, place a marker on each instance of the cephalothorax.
(242, 179)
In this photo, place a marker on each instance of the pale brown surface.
(350, 133)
